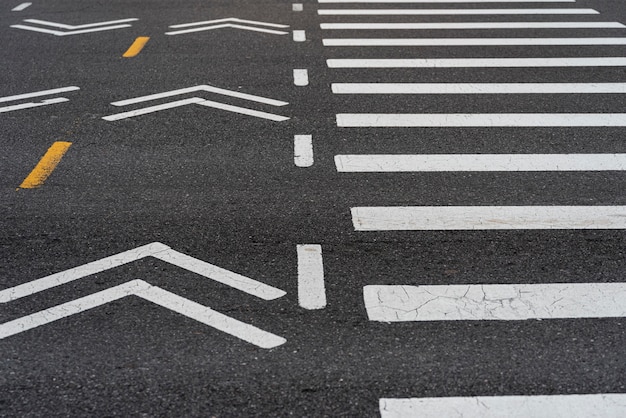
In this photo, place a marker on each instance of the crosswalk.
(376, 24)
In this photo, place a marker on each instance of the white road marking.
(21, 7)
(475, 25)
(472, 41)
(29, 105)
(300, 77)
(227, 25)
(153, 294)
(151, 109)
(479, 162)
(38, 94)
(444, 1)
(74, 32)
(433, 12)
(299, 35)
(477, 62)
(478, 88)
(458, 218)
(494, 302)
(74, 27)
(303, 150)
(437, 120)
(243, 110)
(226, 20)
(311, 289)
(297, 7)
(538, 406)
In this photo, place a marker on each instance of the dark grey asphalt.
(223, 188)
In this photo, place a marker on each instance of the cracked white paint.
(472, 25)
(478, 88)
(439, 218)
(498, 302)
(476, 62)
(472, 41)
(571, 406)
(379, 163)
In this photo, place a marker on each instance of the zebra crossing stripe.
(473, 41)
(433, 12)
(473, 25)
(476, 62)
(478, 88)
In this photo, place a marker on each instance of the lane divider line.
(136, 47)
(46, 165)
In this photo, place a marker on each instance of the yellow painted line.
(46, 165)
(136, 47)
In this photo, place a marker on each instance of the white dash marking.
(442, 1)
(311, 290)
(540, 406)
(243, 111)
(494, 302)
(38, 94)
(473, 41)
(297, 7)
(29, 105)
(479, 162)
(151, 109)
(73, 27)
(478, 88)
(473, 25)
(303, 150)
(458, 218)
(300, 77)
(299, 35)
(432, 12)
(21, 7)
(477, 62)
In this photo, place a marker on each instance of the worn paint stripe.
(478, 88)
(436, 120)
(46, 165)
(477, 62)
(571, 406)
(432, 12)
(300, 77)
(380, 163)
(473, 41)
(494, 302)
(311, 288)
(21, 7)
(303, 150)
(457, 218)
(473, 25)
(136, 47)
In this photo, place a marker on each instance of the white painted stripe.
(212, 318)
(539, 406)
(297, 7)
(300, 77)
(73, 27)
(21, 7)
(38, 94)
(311, 290)
(29, 105)
(226, 20)
(479, 162)
(227, 25)
(438, 120)
(458, 218)
(433, 12)
(443, 1)
(70, 308)
(243, 110)
(477, 62)
(303, 150)
(299, 35)
(151, 109)
(210, 89)
(475, 25)
(74, 32)
(229, 278)
(472, 41)
(495, 302)
(478, 88)
(79, 272)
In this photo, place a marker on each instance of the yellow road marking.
(46, 165)
(136, 47)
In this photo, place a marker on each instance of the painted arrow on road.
(199, 101)
(73, 30)
(231, 22)
(146, 291)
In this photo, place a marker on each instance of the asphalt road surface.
(440, 233)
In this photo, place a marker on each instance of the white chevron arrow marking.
(35, 94)
(231, 22)
(74, 29)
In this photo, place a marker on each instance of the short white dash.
(297, 7)
(299, 35)
(301, 77)
(303, 150)
(311, 290)
(21, 7)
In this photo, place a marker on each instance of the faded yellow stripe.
(46, 165)
(136, 47)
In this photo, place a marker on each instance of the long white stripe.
(151, 109)
(443, 1)
(303, 150)
(243, 110)
(538, 406)
(74, 32)
(38, 94)
(229, 278)
(79, 272)
(472, 41)
(29, 105)
(21, 7)
(73, 27)
(311, 289)
(477, 62)
(479, 162)
(228, 19)
(478, 88)
(438, 120)
(300, 77)
(70, 308)
(499, 302)
(212, 318)
(476, 25)
(458, 218)
(433, 12)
